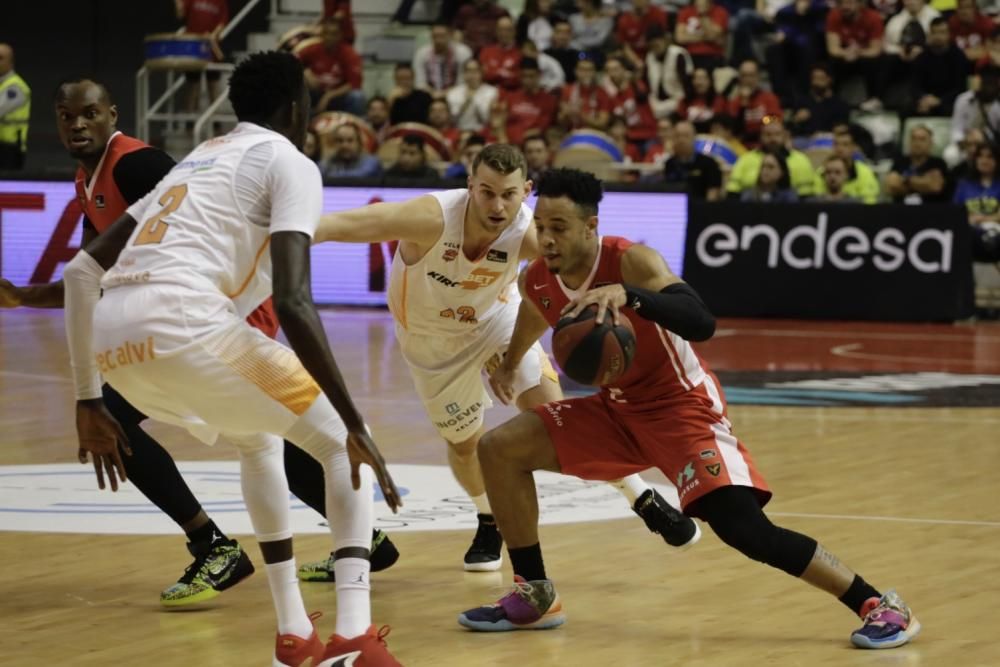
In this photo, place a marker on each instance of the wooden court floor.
(908, 496)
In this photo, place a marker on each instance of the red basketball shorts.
(687, 437)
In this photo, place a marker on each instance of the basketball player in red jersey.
(114, 171)
(667, 411)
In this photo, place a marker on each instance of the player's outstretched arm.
(304, 330)
(528, 328)
(40, 296)
(419, 221)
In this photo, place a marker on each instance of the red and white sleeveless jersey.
(665, 365)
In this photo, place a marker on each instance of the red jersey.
(204, 16)
(528, 111)
(665, 365)
(333, 67)
(501, 65)
(752, 112)
(969, 36)
(865, 27)
(699, 111)
(632, 28)
(690, 17)
(101, 198)
(590, 99)
(631, 103)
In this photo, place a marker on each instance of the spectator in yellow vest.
(862, 183)
(15, 110)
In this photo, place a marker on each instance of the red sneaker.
(294, 651)
(367, 650)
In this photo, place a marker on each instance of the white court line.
(874, 335)
(896, 519)
(849, 351)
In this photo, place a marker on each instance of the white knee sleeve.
(265, 487)
(350, 513)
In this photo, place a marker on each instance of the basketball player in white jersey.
(185, 265)
(454, 298)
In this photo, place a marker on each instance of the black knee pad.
(736, 517)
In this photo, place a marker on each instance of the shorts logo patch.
(685, 475)
(452, 408)
(707, 454)
(714, 469)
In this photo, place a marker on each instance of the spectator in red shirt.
(633, 26)
(332, 72)
(701, 29)
(477, 23)
(203, 17)
(749, 104)
(439, 117)
(530, 109)
(340, 11)
(701, 103)
(501, 61)
(854, 44)
(584, 104)
(970, 29)
(630, 102)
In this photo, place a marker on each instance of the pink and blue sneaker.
(530, 605)
(888, 623)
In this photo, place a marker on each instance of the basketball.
(593, 354)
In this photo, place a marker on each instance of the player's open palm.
(361, 449)
(103, 438)
(8, 295)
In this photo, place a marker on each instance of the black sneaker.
(217, 566)
(662, 518)
(384, 555)
(484, 554)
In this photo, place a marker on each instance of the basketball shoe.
(484, 555)
(888, 623)
(674, 527)
(217, 565)
(530, 605)
(367, 650)
(294, 651)
(384, 555)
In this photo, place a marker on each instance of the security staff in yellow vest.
(15, 109)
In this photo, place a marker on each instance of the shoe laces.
(889, 601)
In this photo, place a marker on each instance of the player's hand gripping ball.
(590, 353)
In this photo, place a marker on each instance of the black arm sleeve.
(676, 308)
(138, 172)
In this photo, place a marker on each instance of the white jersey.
(445, 293)
(207, 224)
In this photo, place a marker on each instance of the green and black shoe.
(383, 556)
(217, 566)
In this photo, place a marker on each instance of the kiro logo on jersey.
(847, 248)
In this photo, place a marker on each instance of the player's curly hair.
(580, 187)
(264, 83)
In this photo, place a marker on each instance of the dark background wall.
(102, 39)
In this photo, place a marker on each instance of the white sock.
(631, 487)
(354, 612)
(292, 616)
(482, 504)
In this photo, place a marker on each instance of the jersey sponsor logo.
(447, 282)
(546, 302)
(99, 201)
(126, 355)
(53, 498)
(714, 469)
(449, 254)
(846, 249)
(480, 278)
(460, 418)
(496, 256)
(540, 286)
(196, 165)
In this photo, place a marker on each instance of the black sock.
(859, 593)
(527, 562)
(207, 534)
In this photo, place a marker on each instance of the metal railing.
(163, 109)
